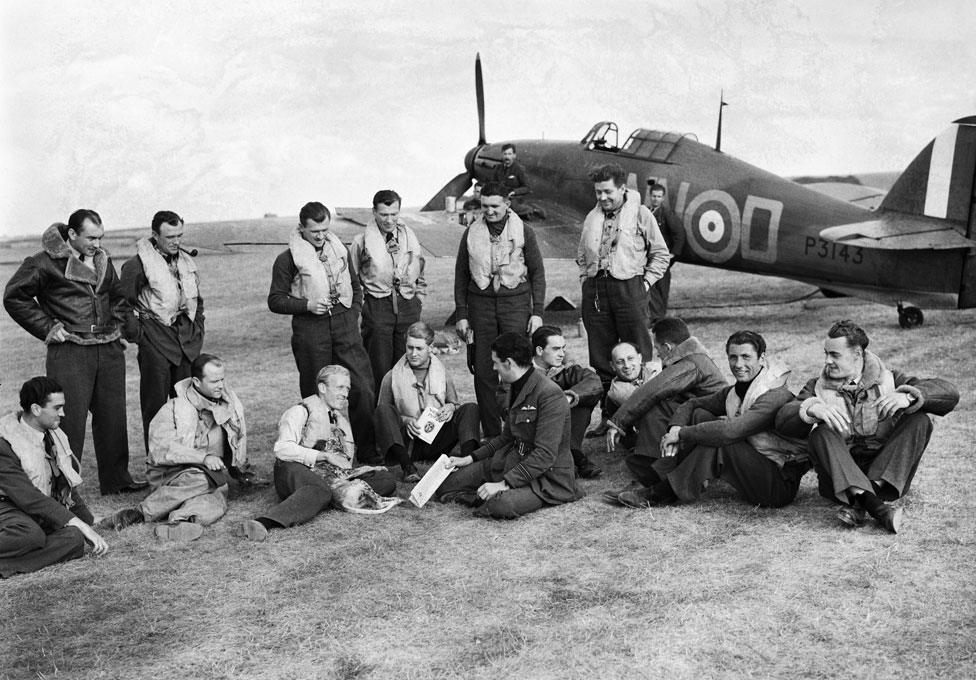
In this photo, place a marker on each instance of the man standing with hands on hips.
(621, 255)
(499, 287)
(68, 296)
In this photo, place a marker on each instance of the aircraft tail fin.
(939, 182)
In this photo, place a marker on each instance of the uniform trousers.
(842, 465)
(579, 420)
(489, 317)
(461, 428)
(760, 480)
(304, 493)
(157, 375)
(647, 439)
(506, 505)
(385, 332)
(657, 298)
(93, 378)
(320, 340)
(189, 496)
(614, 311)
(25, 546)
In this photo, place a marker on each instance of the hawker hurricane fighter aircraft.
(916, 247)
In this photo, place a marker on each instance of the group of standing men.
(685, 424)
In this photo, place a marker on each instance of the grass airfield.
(717, 589)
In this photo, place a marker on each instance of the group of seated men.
(862, 426)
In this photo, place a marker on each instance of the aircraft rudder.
(939, 182)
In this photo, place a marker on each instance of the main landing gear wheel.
(910, 317)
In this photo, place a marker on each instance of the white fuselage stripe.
(940, 174)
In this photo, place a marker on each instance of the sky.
(223, 110)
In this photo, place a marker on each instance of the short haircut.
(472, 204)
(200, 363)
(747, 338)
(514, 346)
(671, 329)
(494, 189)
(659, 187)
(77, 221)
(624, 344)
(384, 197)
(542, 334)
(331, 369)
(38, 390)
(421, 330)
(509, 145)
(314, 211)
(165, 217)
(605, 173)
(855, 335)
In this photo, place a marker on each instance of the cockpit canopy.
(653, 145)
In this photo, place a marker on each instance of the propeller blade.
(479, 91)
(456, 187)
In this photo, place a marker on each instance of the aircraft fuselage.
(739, 217)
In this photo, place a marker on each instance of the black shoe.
(587, 470)
(851, 516)
(134, 486)
(889, 518)
(410, 474)
(248, 479)
(636, 499)
(125, 517)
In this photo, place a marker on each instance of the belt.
(93, 328)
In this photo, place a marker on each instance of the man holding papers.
(528, 466)
(418, 404)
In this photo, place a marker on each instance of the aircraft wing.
(438, 231)
(899, 231)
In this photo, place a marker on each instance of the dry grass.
(712, 590)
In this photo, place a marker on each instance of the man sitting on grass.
(729, 435)
(43, 520)
(197, 442)
(315, 449)
(419, 380)
(688, 372)
(581, 386)
(869, 426)
(528, 466)
(630, 371)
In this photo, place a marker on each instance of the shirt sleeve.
(757, 418)
(658, 255)
(287, 447)
(280, 299)
(537, 272)
(462, 274)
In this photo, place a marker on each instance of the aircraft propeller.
(462, 182)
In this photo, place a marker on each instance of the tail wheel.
(910, 317)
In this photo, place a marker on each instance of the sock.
(268, 524)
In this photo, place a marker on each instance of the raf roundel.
(713, 225)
